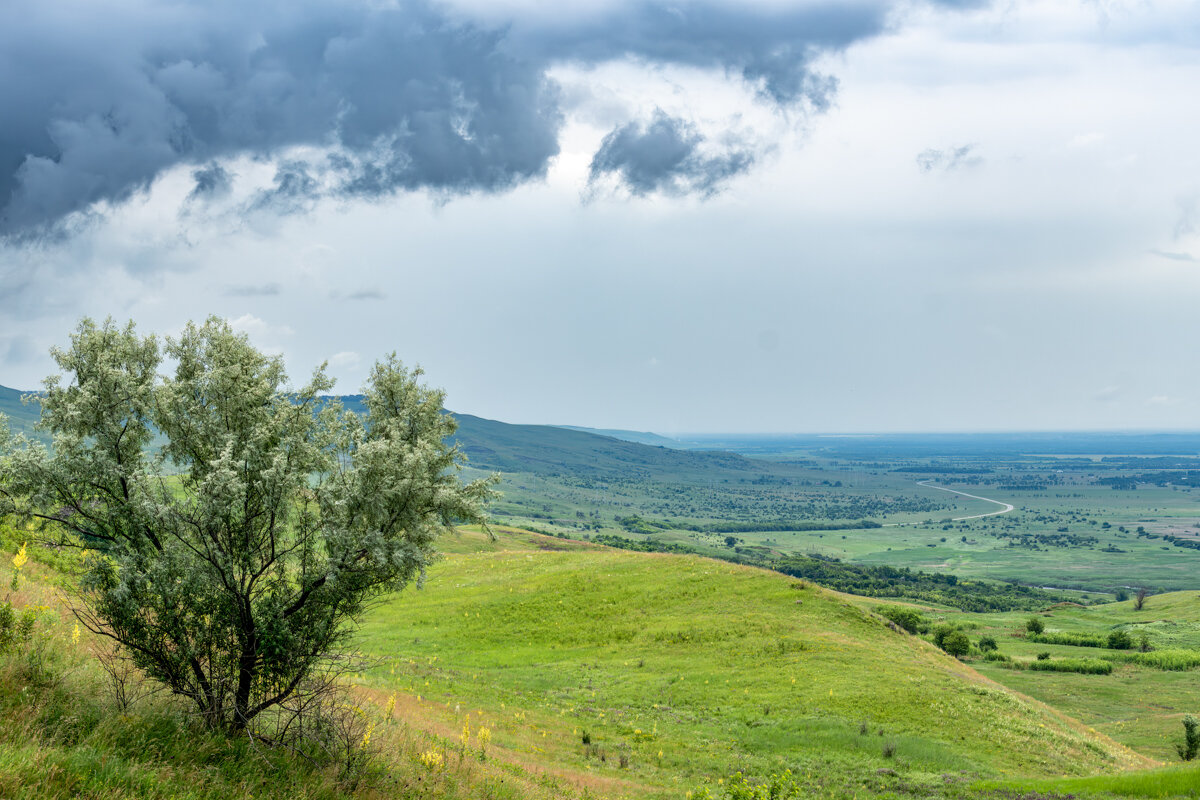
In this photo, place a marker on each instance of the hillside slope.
(686, 668)
(537, 449)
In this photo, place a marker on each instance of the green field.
(693, 670)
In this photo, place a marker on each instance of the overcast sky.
(671, 216)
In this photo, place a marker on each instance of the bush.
(1191, 738)
(1072, 639)
(995, 655)
(15, 629)
(956, 644)
(1043, 656)
(1120, 640)
(1169, 660)
(987, 644)
(907, 618)
(1084, 666)
(1035, 625)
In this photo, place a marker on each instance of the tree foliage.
(234, 528)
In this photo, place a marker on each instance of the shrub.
(940, 633)
(1144, 643)
(1191, 738)
(907, 618)
(987, 644)
(1084, 666)
(1139, 602)
(956, 644)
(1120, 640)
(1043, 656)
(1035, 625)
(1072, 639)
(1169, 660)
(15, 629)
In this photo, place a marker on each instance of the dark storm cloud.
(948, 160)
(664, 155)
(212, 180)
(99, 98)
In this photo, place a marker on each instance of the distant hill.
(641, 437)
(21, 417)
(537, 449)
(555, 450)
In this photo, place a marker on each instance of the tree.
(956, 643)
(1139, 600)
(1119, 640)
(234, 529)
(1035, 625)
(1191, 739)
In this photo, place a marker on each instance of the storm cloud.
(100, 98)
(664, 154)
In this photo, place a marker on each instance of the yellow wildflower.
(20, 558)
(485, 737)
(432, 759)
(391, 704)
(75, 634)
(367, 735)
(465, 737)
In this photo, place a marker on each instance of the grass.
(692, 669)
(1141, 702)
(1179, 781)
(680, 671)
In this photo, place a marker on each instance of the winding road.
(1007, 506)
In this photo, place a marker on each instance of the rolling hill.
(683, 669)
(500, 446)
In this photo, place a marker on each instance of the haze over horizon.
(815, 216)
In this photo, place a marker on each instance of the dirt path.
(1007, 507)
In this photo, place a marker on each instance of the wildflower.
(391, 704)
(367, 735)
(432, 759)
(484, 736)
(75, 634)
(18, 561)
(465, 737)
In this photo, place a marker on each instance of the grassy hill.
(598, 673)
(681, 669)
(21, 417)
(1141, 704)
(641, 437)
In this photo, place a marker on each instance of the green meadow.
(667, 671)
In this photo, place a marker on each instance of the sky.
(691, 216)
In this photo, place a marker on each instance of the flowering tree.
(234, 528)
